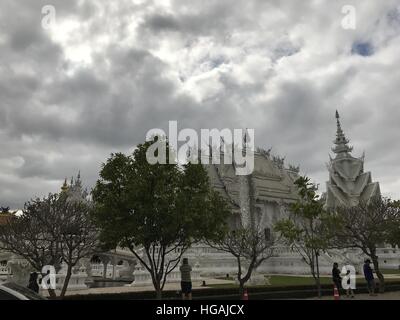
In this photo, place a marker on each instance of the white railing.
(143, 278)
(98, 270)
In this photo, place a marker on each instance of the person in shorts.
(369, 277)
(186, 280)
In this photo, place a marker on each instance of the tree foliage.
(367, 226)
(156, 210)
(303, 230)
(55, 229)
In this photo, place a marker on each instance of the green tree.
(367, 226)
(156, 210)
(302, 231)
(393, 231)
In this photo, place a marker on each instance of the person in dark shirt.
(186, 281)
(33, 284)
(336, 278)
(369, 277)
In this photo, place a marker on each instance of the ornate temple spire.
(348, 183)
(341, 141)
(245, 142)
(78, 181)
(64, 187)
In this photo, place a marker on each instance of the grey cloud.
(161, 22)
(281, 67)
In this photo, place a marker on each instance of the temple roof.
(272, 182)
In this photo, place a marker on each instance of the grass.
(278, 281)
(282, 281)
(390, 271)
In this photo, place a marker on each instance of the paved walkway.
(168, 286)
(198, 285)
(384, 296)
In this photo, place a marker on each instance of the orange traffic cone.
(335, 293)
(245, 295)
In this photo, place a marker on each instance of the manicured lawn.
(281, 281)
(224, 285)
(391, 271)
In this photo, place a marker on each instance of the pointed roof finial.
(341, 141)
(246, 138)
(78, 182)
(64, 187)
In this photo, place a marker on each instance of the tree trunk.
(315, 274)
(157, 287)
(158, 293)
(241, 288)
(242, 281)
(313, 263)
(318, 280)
(318, 285)
(378, 273)
(239, 278)
(66, 281)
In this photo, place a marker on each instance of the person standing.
(336, 278)
(349, 289)
(33, 283)
(369, 277)
(186, 280)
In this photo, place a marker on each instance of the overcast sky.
(108, 71)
